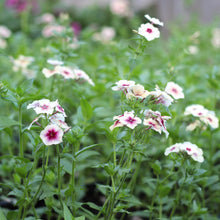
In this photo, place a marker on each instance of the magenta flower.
(21, 5)
(52, 134)
(76, 28)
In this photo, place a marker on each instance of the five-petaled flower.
(52, 134)
(149, 31)
(192, 150)
(174, 90)
(153, 20)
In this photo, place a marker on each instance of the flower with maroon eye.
(52, 134)
(174, 90)
(148, 31)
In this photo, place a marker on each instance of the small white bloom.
(55, 62)
(80, 74)
(22, 62)
(149, 31)
(192, 126)
(66, 72)
(46, 18)
(48, 73)
(138, 91)
(3, 43)
(123, 85)
(195, 110)
(4, 32)
(216, 37)
(175, 90)
(52, 134)
(210, 119)
(192, 49)
(154, 20)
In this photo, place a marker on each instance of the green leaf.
(86, 109)
(2, 216)
(66, 212)
(85, 149)
(80, 218)
(7, 122)
(24, 87)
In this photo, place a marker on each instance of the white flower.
(155, 121)
(191, 149)
(22, 62)
(46, 18)
(192, 126)
(59, 120)
(55, 62)
(106, 35)
(192, 49)
(154, 20)
(66, 72)
(175, 90)
(195, 110)
(161, 97)
(48, 73)
(123, 85)
(120, 7)
(137, 91)
(127, 119)
(216, 37)
(43, 106)
(4, 32)
(52, 134)
(52, 30)
(210, 119)
(149, 31)
(80, 74)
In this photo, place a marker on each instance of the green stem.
(21, 149)
(72, 185)
(114, 155)
(59, 176)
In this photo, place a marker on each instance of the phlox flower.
(4, 32)
(22, 62)
(174, 90)
(105, 36)
(80, 74)
(127, 119)
(43, 106)
(66, 72)
(46, 18)
(51, 29)
(149, 31)
(206, 116)
(192, 150)
(161, 97)
(48, 73)
(52, 134)
(120, 7)
(59, 120)
(137, 91)
(154, 20)
(123, 85)
(154, 120)
(55, 62)
(192, 126)
(216, 37)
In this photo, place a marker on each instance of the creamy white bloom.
(149, 31)
(66, 72)
(137, 91)
(48, 73)
(192, 150)
(123, 85)
(80, 74)
(210, 119)
(3, 43)
(153, 20)
(55, 62)
(22, 62)
(4, 32)
(175, 90)
(216, 37)
(194, 109)
(52, 134)
(192, 126)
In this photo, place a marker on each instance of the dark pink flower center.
(200, 113)
(130, 120)
(66, 72)
(149, 30)
(52, 134)
(173, 148)
(44, 106)
(174, 90)
(188, 149)
(125, 84)
(60, 108)
(210, 119)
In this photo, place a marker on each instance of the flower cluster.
(66, 72)
(191, 149)
(4, 34)
(131, 90)
(22, 63)
(205, 117)
(55, 114)
(148, 30)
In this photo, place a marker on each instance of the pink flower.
(149, 31)
(80, 74)
(59, 120)
(66, 72)
(161, 97)
(127, 119)
(48, 73)
(76, 28)
(52, 134)
(210, 119)
(43, 106)
(175, 90)
(137, 91)
(155, 121)
(4, 32)
(191, 149)
(154, 20)
(52, 30)
(195, 110)
(123, 85)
